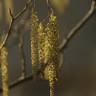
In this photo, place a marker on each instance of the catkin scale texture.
(34, 41)
(51, 52)
(41, 43)
(4, 71)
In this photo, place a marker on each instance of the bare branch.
(74, 31)
(61, 62)
(13, 19)
(22, 80)
(22, 55)
(11, 15)
(19, 81)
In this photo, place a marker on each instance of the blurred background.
(78, 75)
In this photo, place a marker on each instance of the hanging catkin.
(51, 55)
(41, 43)
(34, 41)
(4, 70)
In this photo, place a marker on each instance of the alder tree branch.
(13, 19)
(75, 30)
(61, 60)
(27, 78)
(79, 25)
(22, 55)
(61, 47)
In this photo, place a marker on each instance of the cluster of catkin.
(44, 48)
(4, 70)
(51, 52)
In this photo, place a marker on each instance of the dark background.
(78, 74)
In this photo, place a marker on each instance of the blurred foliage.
(4, 9)
(60, 5)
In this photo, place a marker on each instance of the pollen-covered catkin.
(51, 56)
(4, 70)
(41, 43)
(34, 42)
(51, 75)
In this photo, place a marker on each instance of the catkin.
(4, 71)
(34, 41)
(51, 55)
(51, 75)
(41, 43)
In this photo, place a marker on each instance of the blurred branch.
(61, 62)
(22, 55)
(79, 25)
(13, 19)
(27, 78)
(19, 81)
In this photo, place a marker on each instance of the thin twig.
(61, 62)
(27, 78)
(13, 19)
(22, 55)
(79, 25)
(19, 81)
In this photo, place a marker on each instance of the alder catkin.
(4, 70)
(41, 43)
(51, 55)
(34, 41)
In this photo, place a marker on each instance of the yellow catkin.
(51, 53)
(34, 41)
(41, 43)
(4, 71)
(51, 75)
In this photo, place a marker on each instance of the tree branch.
(61, 62)
(74, 31)
(22, 55)
(13, 19)
(19, 81)
(27, 78)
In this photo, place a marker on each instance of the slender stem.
(27, 78)
(79, 25)
(19, 81)
(13, 19)
(7, 35)
(22, 55)
(61, 62)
